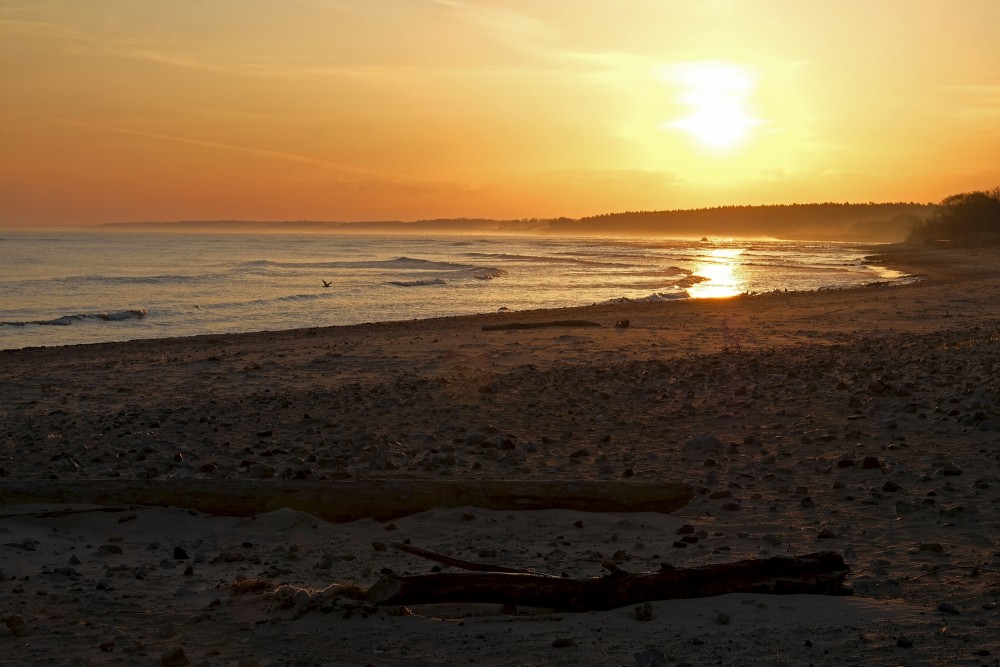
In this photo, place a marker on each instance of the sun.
(716, 96)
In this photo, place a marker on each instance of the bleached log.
(817, 573)
(350, 500)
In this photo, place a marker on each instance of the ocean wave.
(656, 296)
(544, 259)
(490, 274)
(66, 320)
(416, 283)
(618, 283)
(166, 279)
(293, 297)
(396, 263)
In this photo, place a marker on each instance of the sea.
(90, 287)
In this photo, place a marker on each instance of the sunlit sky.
(123, 110)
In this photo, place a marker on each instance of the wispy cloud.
(342, 168)
(42, 30)
(516, 29)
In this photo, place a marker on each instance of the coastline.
(788, 385)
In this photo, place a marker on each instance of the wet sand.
(859, 421)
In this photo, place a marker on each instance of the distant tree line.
(826, 221)
(968, 219)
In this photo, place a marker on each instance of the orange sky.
(118, 110)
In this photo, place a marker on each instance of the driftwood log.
(817, 573)
(540, 325)
(347, 501)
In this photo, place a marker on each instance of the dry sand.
(761, 403)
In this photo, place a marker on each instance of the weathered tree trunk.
(817, 573)
(347, 501)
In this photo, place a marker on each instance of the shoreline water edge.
(863, 422)
(80, 291)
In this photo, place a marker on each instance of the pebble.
(950, 470)
(871, 463)
(16, 625)
(174, 657)
(948, 608)
(651, 657)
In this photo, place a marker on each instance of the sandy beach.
(864, 422)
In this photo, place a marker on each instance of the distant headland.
(870, 222)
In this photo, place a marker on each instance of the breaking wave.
(657, 296)
(66, 320)
(416, 283)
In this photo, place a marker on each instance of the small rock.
(563, 642)
(262, 471)
(174, 657)
(871, 463)
(904, 642)
(948, 608)
(651, 657)
(722, 618)
(16, 625)
(644, 611)
(951, 470)
(109, 549)
(180, 554)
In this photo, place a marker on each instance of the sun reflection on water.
(723, 272)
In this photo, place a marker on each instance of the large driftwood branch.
(451, 561)
(348, 501)
(818, 573)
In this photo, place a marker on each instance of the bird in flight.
(326, 284)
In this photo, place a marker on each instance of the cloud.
(515, 29)
(259, 152)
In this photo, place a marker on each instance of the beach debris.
(820, 573)
(622, 324)
(351, 500)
